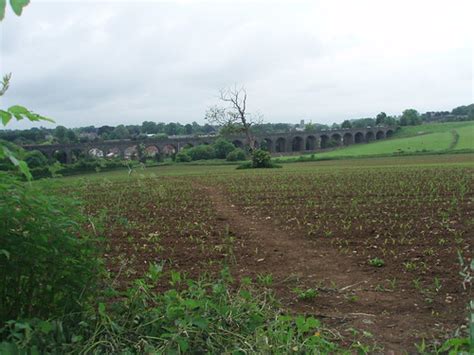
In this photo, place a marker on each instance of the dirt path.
(347, 298)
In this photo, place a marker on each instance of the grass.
(466, 137)
(428, 138)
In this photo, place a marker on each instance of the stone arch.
(310, 143)
(113, 152)
(389, 133)
(297, 144)
(359, 137)
(169, 149)
(380, 135)
(61, 156)
(96, 152)
(266, 144)
(347, 139)
(369, 137)
(324, 141)
(130, 152)
(280, 146)
(77, 154)
(151, 151)
(238, 143)
(336, 138)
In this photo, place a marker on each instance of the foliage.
(222, 148)
(380, 118)
(35, 159)
(236, 155)
(48, 262)
(201, 152)
(197, 316)
(91, 164)
(183, 157)
(377, 262)
(261, 159)
(346, 124)
(410, 117)
(16, 5)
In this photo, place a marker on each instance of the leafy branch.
(16, 5)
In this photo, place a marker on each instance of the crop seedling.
(306, 294)
(377, 262)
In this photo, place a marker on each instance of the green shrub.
(41, 172)
(236, 155)
(202, 152)
(222, 148)
(183, 157)
(48, 262)
(36, 159)
(196, 317)
(261, 159)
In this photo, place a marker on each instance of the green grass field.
(435, 137)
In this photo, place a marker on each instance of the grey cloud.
(125, 62)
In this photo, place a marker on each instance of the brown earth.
(347, 300)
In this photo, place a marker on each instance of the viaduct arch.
(292, 142)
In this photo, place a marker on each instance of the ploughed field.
(371, 247)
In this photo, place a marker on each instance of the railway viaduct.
(276, 143)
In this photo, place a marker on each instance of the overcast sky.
(112, 62)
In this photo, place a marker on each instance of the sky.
(124, 62)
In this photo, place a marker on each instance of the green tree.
(120, 132)
(202, 152)
(380, 118)
(346, 124)
(310, 127)
(223, 147)
(236, 155)
(149, 127)
(410, 117)
(60, 134)
(171, 129)
(188, 129)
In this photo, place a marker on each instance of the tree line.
(62, 135)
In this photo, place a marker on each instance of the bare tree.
(235, 117)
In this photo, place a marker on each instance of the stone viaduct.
(276, 143)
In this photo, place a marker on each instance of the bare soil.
(394, 319)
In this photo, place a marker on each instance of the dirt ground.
(347, 298)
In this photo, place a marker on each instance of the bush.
(261, 159)
(41, 172)
(236, 155)
(222, 148)
(183, 157)
(36, 159)
(48, 261)
(196, 317)
(202, 152)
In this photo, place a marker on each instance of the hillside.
(435, 137)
